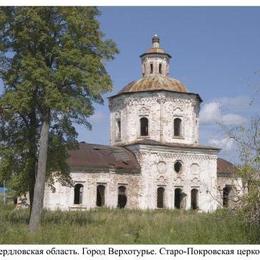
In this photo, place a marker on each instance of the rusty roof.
(155, 51)
(154, 82)
(173, 145)
(103, 157)
(100, 157)
(226, 167)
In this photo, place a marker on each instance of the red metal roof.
(225, 167)
(103, 157)
(96, 156)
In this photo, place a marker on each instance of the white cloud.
(225, 143)
(232, 119)
(211, 113)
(235, 103)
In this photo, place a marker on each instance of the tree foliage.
(52, 66)
(248, 141)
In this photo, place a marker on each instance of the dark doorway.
(160, 198)
(177, 198)
(122, 198)
(226, 195)
(100, 196)
(78, 193)
(144, 126)
(194, 199)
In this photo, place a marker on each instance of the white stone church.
(155, 159)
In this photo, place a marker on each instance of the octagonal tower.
(155, 107)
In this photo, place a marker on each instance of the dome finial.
(156, 41)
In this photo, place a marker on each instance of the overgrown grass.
(101, 226)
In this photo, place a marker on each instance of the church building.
(155, 159)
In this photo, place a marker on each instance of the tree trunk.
(40, 178)
(33, 154)
(31, 188)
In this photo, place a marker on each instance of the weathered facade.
(155, 159)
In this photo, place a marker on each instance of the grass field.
(101, 226)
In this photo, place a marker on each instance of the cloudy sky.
(215, 53)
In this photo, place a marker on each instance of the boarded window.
(78, 193)
(160, 197)
(177, 127)
(100, 196)
(144, 126)
(194, 199)
(122, 198)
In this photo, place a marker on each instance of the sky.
(215, 53)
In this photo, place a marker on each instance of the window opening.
(177, 127)
(78, 193)
(178, 167)
(100, 202)
(144, 126)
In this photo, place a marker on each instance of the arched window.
(178, 167)
(160, 68)
(144, 126)
(118, 129)
(100, 202)
(151, 68)
(78, 193)
(194, 199)
(160, 197)
(122, 198)
(177, 127)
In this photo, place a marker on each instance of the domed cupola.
(155, 61)
(155, 72)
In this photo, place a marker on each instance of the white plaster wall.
(157, 170)
(154, 175)
(239, 189)
(155, 60)
(160, 108)
(63, 197)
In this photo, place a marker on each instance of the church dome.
(154, 82)
(155, 72)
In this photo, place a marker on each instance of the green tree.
(247, 139)
(52, 66)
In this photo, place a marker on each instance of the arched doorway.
(226, 195)
(122, 198)
(100, 202)
(194, 199)
(177, 198)
(160, 197)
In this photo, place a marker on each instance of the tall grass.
(101, 226)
